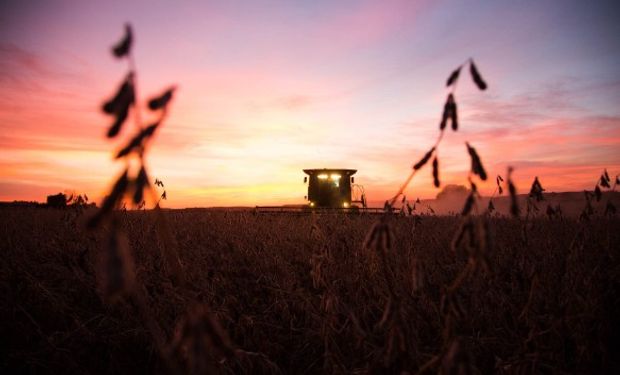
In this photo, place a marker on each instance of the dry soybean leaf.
(149, 130)
(514, 205)
(124, 97)
(474, 187)
(500, 190)
(424, 160)
(118, 122)
(491, 207)
(469, 203)
(476, 164)
(453, 117)
(110, 201)
(161, 101)
(117, 191)
(606, 175)
(598, 193)
(604, 182)
(536, 190)
(137, 141)
(475, 75)
(164, 196)
(142, 182)
(453, 77)
(119, 105)
(123, 47)
(448, 108)
(435, 172)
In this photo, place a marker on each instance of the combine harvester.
(329, 191)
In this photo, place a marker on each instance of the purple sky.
(268, 88)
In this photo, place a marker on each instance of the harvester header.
(330, 190)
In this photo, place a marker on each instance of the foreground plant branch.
(134, 181)
(472, 234)
(449, 115)
(201, 343)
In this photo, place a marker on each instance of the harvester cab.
(332, 188)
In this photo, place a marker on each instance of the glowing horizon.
(269, 88)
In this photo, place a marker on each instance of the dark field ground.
(300, 294)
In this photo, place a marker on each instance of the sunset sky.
(268, 88)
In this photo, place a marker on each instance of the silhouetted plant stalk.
(201, 342)
(200, 336)
(393, 322)
(472, 234)
(515, 211)
(531, 204)
(602, 184)
(134, 181)
(449, 115)
(498, 191)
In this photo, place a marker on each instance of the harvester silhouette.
(333, 188)
(329, 190)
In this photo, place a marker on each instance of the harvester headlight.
(345, 204)
(311, 204)
(322, 177)
(334, 176)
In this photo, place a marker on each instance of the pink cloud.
(369, 23)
